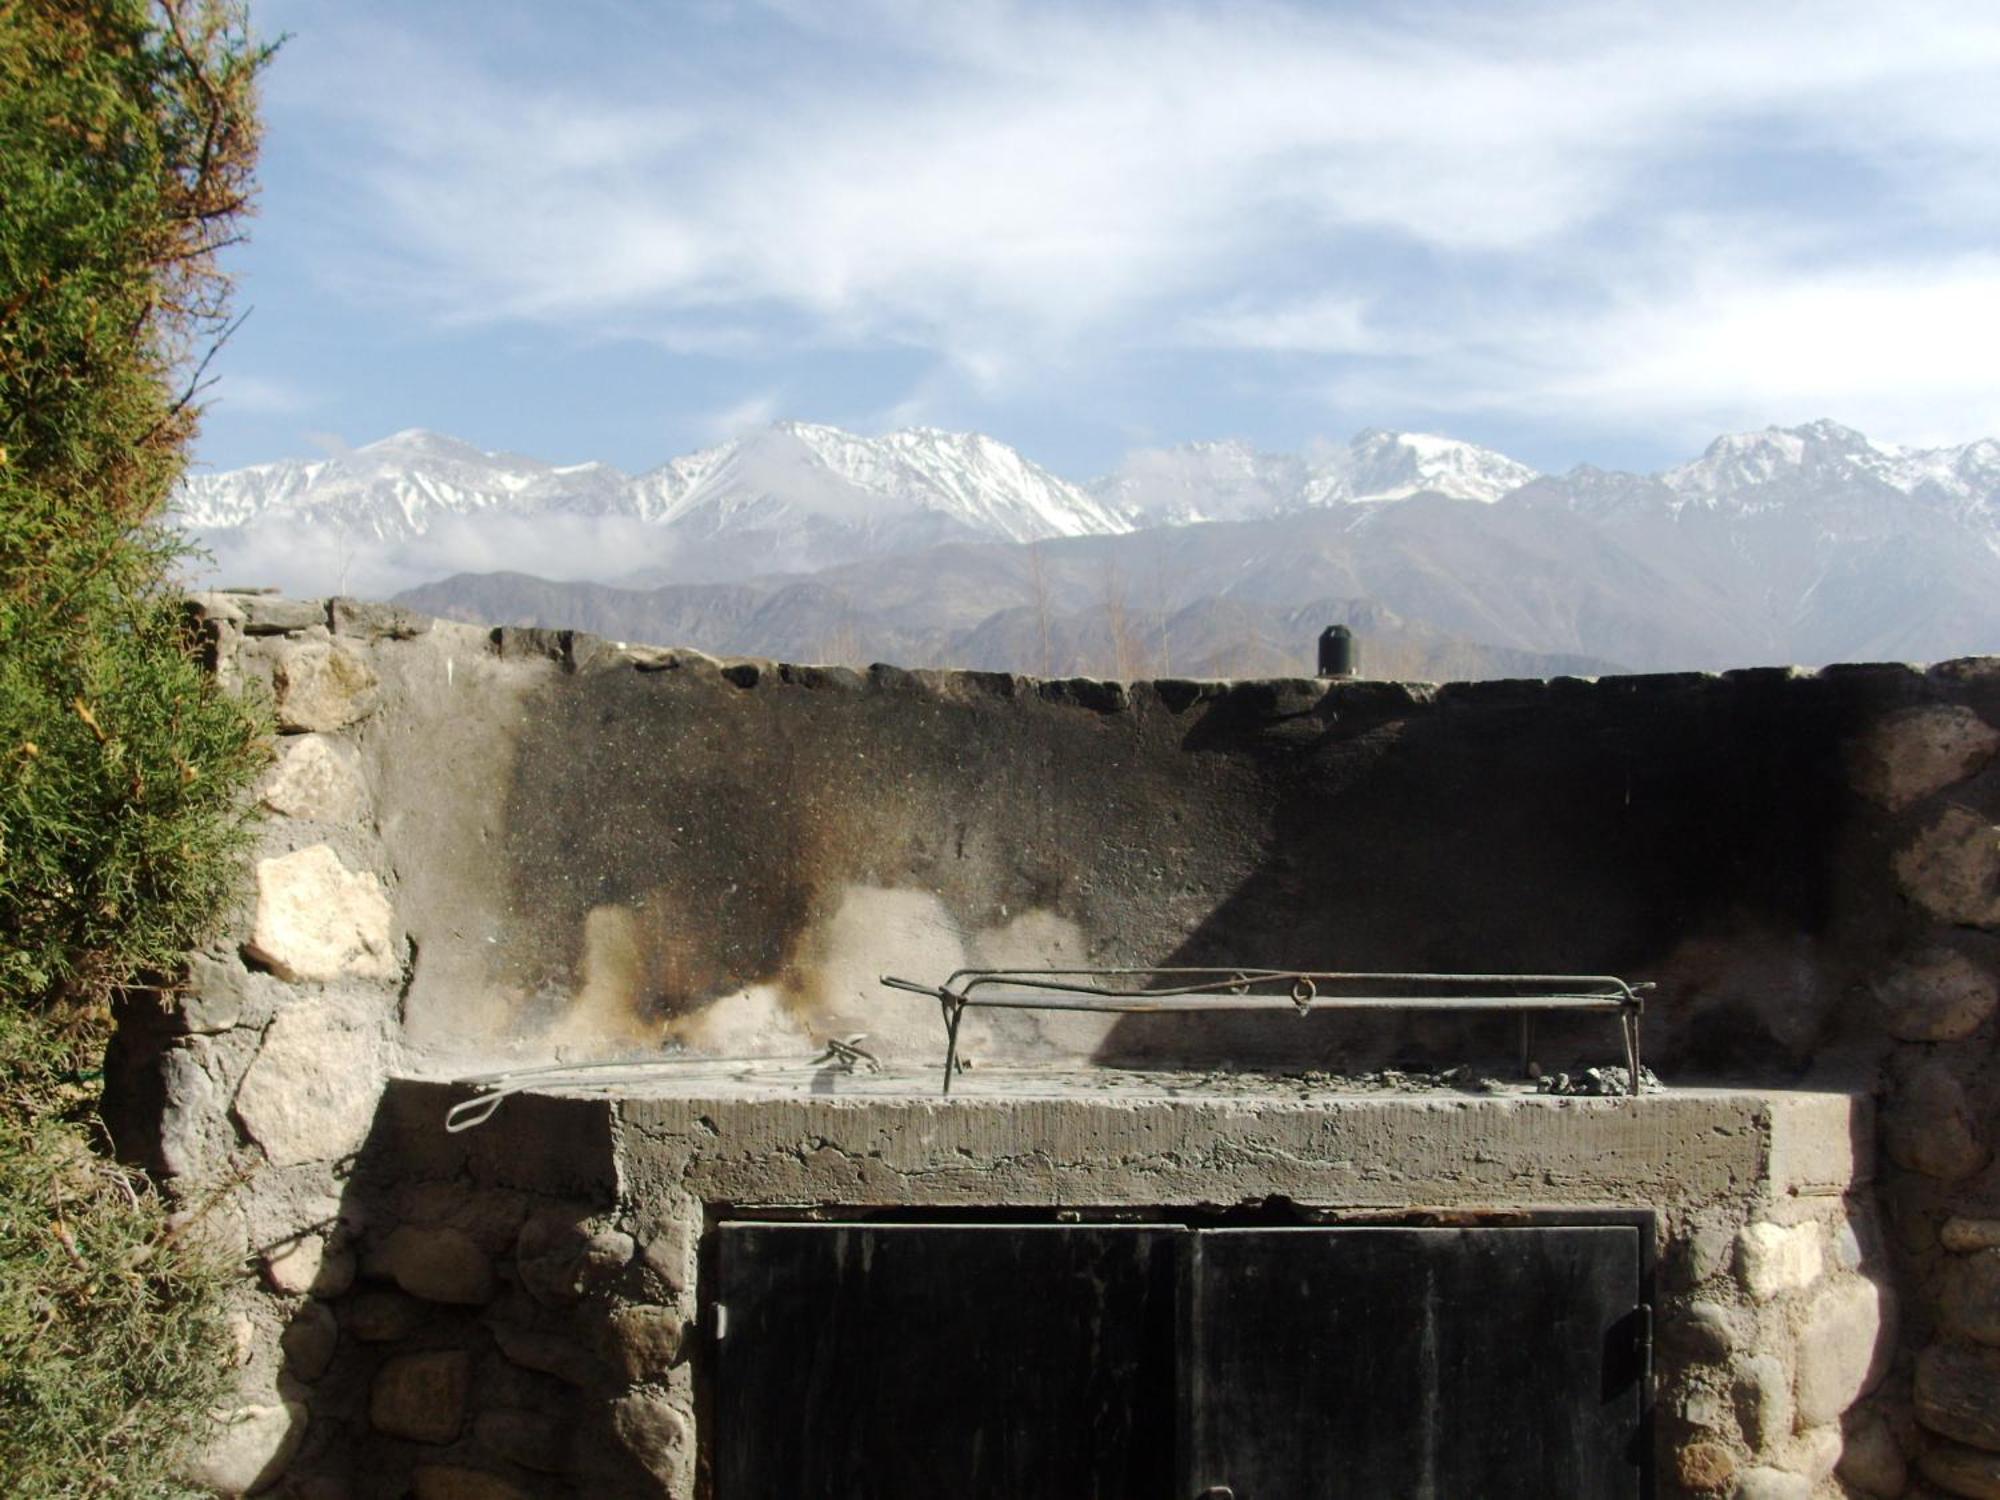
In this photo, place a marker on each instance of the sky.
(1577, 232)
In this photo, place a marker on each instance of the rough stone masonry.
(493, 848)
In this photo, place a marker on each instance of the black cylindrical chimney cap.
(1339, 652)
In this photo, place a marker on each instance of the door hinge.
(721, 1321)
(1642, 1338)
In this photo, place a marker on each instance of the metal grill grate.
(1301, 991)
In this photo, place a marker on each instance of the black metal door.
(1003, 1362)
(1415, 1364)
(914, 1362)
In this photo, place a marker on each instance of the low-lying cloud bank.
(310, 560)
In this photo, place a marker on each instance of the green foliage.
(112, 1343)
(127, 137)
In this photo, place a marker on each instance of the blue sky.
(1603, 232)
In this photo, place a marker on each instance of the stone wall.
(515, 846)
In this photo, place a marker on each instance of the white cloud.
(1903, 352)
(758, 409)
(1020, 187)
(311, 561)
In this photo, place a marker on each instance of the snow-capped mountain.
(799, 473)
(1230, 481)
(791, 475)
(397, 487)
(1807, 544)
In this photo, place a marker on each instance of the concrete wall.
(505, 847)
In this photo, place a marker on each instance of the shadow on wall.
(1689, 830)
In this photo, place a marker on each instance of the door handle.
(1218, 1492)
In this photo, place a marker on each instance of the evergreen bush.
(128, 134)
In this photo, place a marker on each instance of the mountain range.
(1806, 544)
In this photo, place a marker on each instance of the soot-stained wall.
(671, 849)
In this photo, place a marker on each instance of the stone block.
(309, 1266)
(1707, 1332)
(642, 1343)
(436, 1263)
(560, 1259)
(309, 1341)
(1844, 1349)
(1958, 1470)
(1970, 1305)
(1952, 869)
(656, 1435)
(1957, 1393)
(1939, 995)
(372, 621)
(274, 614)
(1772, 1259)
(544, 1351)
(188, 1113)
(213, 996)
(323, 686)
(666, 1262)
(1906, 756)
(1871, 1460)
(1929, 1125)
(1763, 1394)
(1705, 1468)
(247, 1448)
(1963, 1236)
(318, 779)
(317, 919)
(456, 1482)
(312, 1089)
(1773, 1484)
(421, 1396)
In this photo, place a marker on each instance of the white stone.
(1952, 869)
(1908, 755)
(1773, 1484)
(317, 919)
(317, 779)
(1772, 1259)
(1844, 1349)
(322, 686)
(248, 1447)
(311, 1092)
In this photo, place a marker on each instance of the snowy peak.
(793, 472)
(1382, 465)
(1231, 481)
(398, 486)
